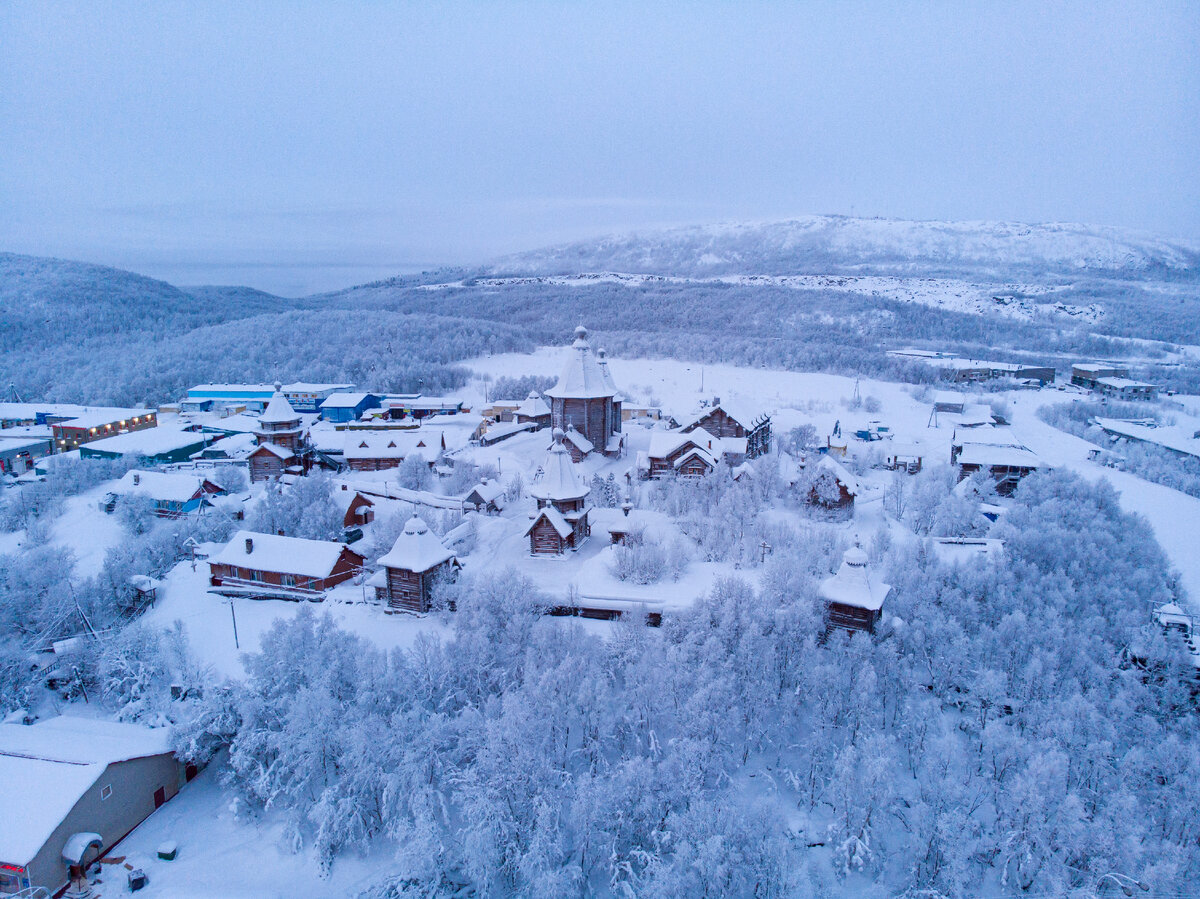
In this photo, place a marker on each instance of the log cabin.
(995, 451)
(833, 487)
(360, 509)
(408, 572)
(267, 565)
(269, 462)
(533, 411)
(719, 421)
(586, 398)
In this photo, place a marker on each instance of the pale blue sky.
(254, 137)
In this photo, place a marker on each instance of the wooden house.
(174, 494)
(719, 421)
(586, 399)
(381, 450)
(904, 457)
(853, 598)
(995, 451)
(360, 509)
(832, 486)
(269, 462)
(74, 787)
(408, 572)
(487, 497)
(267, 565)
(693, 453)
(533, 411)
(561, 521)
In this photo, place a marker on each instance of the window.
(289, 580)
(106, 791)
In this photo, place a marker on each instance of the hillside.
(824, 293)
(841, 245)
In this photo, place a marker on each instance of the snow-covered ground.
(222, 856)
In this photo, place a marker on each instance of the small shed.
(853, 599)
(534, 410)
(487, 496)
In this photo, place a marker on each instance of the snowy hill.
(836, 244)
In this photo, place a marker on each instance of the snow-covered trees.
(997, 736)
(306, 509)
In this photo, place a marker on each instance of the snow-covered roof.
(948, 398)
(417, 548)
(584, 445)
(396, 445)
(279, 411)
(738, 414)
(47, 767)
(486, 492)
(847, 480)
(583, 377)
(966, 550)
(275, 450)
(853, 585)
(1173, 437)
(664, 443)
(173, 486)
(552, 515)
(343, 400)
(973, 416)
(1093, 368)
(701, 453)
(533, 406)
(147, 442)
(987, 455)
(989, 436)
(283, 555)
(1124, 384)
(560, 480)
(305, 387)
(101, 417)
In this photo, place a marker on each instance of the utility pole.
(233, 615)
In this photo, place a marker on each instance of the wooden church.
(585, 402)
(853, 599)
(561, 522)
(408, 572)
(282, 444)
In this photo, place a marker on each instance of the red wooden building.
(561, 522)
(586, 399)
(408, 572)
(268, 565)
(360, 509)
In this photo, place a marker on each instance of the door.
(160, 797)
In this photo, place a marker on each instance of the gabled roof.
(847, 480)
(282, 555)
(486, 492)
(47, 767)
(664, 443)
(560, 479)
(416, 549)
(702, 454)
(279, 411)
(172, 486)
(275, 450)
(582, 377)
(552, 515)
(853, 585)
(741, 416)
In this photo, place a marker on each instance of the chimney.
(249, 546)
(137, 479)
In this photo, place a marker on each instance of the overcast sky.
(244, 138)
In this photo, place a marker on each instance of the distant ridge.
(833, 244)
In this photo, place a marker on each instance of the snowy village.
(472, 450)
(612, 494)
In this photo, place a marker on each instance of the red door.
(160, 797)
